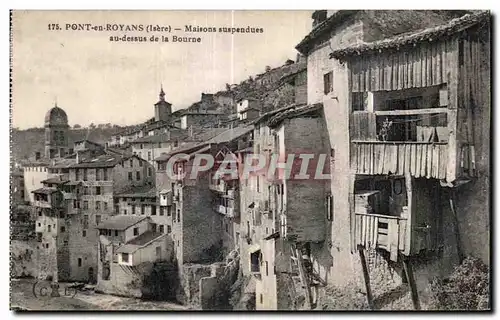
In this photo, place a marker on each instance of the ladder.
(300, 280)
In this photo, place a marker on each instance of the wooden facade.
(451, 65)
(454, 64)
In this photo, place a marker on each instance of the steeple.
(162, 93)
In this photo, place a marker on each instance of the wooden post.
(455, 221)
(411, 282)
(366, 276)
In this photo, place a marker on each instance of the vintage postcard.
(250, 160)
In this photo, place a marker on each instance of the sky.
(98, 81)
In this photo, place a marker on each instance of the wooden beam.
(410, 218)
(411, 282)
(366, 276)
(411, 112)
(455, 222)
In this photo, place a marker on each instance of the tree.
(77, 126)
(228, 87)
(268, 68)
(92, 126)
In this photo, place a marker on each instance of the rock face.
(23, 259)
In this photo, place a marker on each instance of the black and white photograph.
(250, 160)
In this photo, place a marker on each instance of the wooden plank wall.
(363, 125)
(470, 98)
(426, 160)
(420, 66)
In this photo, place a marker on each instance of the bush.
(466, 289)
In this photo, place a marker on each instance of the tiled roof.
(230, 134)
(164, 137)
(45, 190)
(138, 192)
(428, 34)
(55, 180)
(107, 160)
(322, 28)
(140, 241)
(293, 113)
(120, 222)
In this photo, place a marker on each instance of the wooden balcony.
(218, 187)
(420, 159)
(381, 231)
(42, 204)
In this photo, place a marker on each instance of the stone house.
(128, 248)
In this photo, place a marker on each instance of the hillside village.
(396, 103)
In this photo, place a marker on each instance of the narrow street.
(22, 297)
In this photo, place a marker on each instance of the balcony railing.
(421, 159)
(381, 231)
(219, 187)
(42, 204)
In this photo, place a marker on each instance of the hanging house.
(413, 100)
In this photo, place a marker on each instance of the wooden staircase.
(300, 280)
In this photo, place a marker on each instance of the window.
(48, 228)
(125, 211)
(162, 211)
(153, 210)
(85, 177)
(261, 298)
(143, 209)
(267, 268)
(125, 257)
(150, 172)
(138, 175)
(98, 205)
(39, 224)
(105, 206)
(97, 219)
(179, 215)
(77, 174)
(359, 101)
(162, 228)
(329, 207)
(98, 190)
(227, 227)
(79, 262)
(85, 205)
(40, 212)
(116, 233)
(328, 82)
(140, 163)
(84, 233)
(63, 228)
(85, 222)
(130, 176)
(254, 261)
(169, 211)
(109, 233)
(149, 155)
(136, 231)
(105, 171)
(98, 174)
(153, 227)
(133, 209)
(169, 229)
(131, 163)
